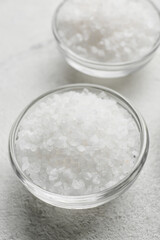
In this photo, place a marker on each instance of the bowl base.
(100, 73)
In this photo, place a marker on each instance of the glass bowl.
(95, 199)
(101, 69)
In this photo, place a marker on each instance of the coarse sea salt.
(77, 142)
(109, 30)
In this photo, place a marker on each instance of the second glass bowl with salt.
(107, 38)
(78, 146)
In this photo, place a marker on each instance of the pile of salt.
(76, 143)
(109, 30)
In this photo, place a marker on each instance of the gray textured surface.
(31, 65)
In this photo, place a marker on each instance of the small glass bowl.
(100, 69)
(95, 199)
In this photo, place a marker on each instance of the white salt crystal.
(52, 178)
(68, 173)
(53, 175)
(81, 148)
(77, 143)
(73, 143)
(88, 176)
(109, 30)
(78, 184)
(58, 184)
(96, 180)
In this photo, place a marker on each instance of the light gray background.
(31, 65)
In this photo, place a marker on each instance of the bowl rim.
(144, 138)
(77, 57)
